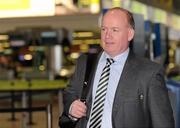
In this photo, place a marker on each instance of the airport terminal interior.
(40, 41)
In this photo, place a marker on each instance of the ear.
(130, 34)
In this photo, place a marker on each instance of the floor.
(39, 119)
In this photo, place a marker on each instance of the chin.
(109, 52)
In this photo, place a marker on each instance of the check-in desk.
(26, 89)
(174, 88)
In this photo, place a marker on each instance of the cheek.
(102, 36)
(119, 39)
(123, 38)
(121, 42)
(102, 39)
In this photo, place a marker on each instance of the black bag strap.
(90, 63)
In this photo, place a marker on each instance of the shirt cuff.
(70, 116)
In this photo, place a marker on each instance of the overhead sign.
(14, 4)
(26, 8)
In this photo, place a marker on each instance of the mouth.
(109, 43)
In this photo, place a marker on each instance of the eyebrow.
(112, 27)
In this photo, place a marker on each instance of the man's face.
(115, 32)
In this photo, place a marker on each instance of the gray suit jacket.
(141, 99)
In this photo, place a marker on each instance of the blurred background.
(40, 41)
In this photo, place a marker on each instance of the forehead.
(115, 17)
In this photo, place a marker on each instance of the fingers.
(78, 109)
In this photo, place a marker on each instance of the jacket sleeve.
(160, 108)
(74, 88)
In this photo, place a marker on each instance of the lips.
(109, 43)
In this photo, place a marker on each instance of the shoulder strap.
(91, 59)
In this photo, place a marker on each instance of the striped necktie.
(98, 104)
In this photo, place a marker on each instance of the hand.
(78, 109)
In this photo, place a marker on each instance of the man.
(134, 94)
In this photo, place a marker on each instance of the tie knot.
(109, 61)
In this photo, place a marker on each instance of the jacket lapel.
(89, 95)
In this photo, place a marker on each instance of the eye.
(115, 30)
(103, 29)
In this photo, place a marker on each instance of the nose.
(108, 34)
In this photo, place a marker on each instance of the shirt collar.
(121, 58)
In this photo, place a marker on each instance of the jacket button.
(85, 83)
(141, 97)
